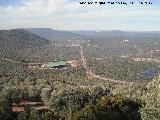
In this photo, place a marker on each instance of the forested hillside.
(114, 78)
(19, 44)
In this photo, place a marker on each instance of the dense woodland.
(67, 93)
(121, 69)
(104, 54)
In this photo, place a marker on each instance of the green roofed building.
(58, 64)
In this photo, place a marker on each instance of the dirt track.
(91, 75)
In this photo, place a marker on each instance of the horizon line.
(82, 29)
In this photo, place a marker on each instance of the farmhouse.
(58, 64)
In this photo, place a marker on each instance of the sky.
(70, 15)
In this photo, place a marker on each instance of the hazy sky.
(70, 15)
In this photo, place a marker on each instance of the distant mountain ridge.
(56, 35)
(117, 34)
(53, 35)
(108, 33)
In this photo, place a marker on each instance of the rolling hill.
(19, 43)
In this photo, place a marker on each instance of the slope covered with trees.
(19, 43)
(68, 94)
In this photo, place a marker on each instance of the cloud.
(68, 14)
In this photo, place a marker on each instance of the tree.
(5, 110)
(50, 115)
(22, 116)
(34, 115)
(151, 111)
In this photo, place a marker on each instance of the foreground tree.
(5, 110)
(151, 110)
(22, 116)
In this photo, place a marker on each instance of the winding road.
(91, 75)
